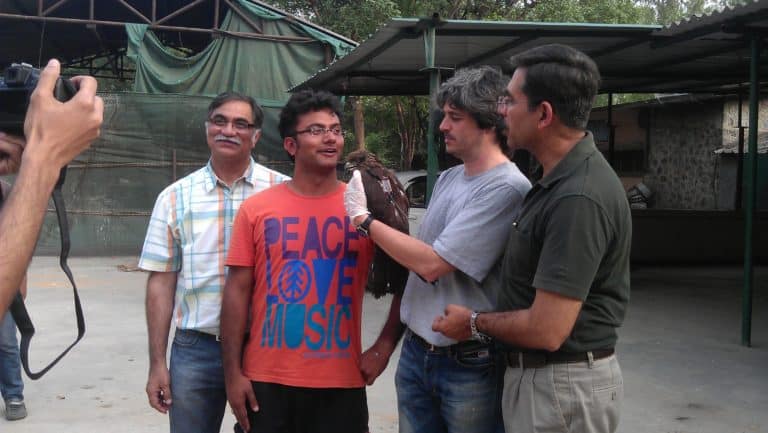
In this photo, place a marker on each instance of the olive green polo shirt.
(572, 237)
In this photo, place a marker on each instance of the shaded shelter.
(717, 53)
(91, 35)
(185, 53)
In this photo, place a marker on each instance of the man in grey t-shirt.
(442, 384)
(565, 270)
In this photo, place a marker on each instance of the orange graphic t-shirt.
(310, 267)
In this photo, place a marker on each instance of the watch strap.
(477, 335)
(365, 225)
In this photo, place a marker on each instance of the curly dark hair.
(303, 102)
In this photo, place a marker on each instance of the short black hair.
(563, 76)
(223, 98)
(303, 102)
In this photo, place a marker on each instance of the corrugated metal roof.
(24, 36)
(703, 54)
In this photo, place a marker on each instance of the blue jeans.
(448, 392)
(11, 385)
(197, 383)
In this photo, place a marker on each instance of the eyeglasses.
(318, 130)
(503, 102)
(238, 124)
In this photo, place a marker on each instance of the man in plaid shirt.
(184, 250)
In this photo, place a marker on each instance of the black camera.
(16, 86)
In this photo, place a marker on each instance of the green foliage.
(355, 19)
(580, 11)
(396, 126)
(382, 144)
(672, 11)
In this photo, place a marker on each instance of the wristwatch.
(477, 335)
(365, 225)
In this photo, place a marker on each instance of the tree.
(396, 126)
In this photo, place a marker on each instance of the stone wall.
(731, 112)
(682, 164)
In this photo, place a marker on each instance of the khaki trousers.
(580, 397)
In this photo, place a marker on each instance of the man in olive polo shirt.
(566, 267)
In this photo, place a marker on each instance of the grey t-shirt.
(467, 224)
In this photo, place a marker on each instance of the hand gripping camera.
(16, 87)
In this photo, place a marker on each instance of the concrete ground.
(684, 369)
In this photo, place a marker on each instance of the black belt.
(542, 359)
(200, 334)
(458, 348)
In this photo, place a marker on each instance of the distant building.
(684, 148)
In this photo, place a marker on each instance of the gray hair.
(223, 98)
(474, 90)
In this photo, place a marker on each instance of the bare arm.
(23, 287)
(408, 251)
(545, 325)
(6, 188)
(161, 288)
(20, 222)
(56, 132)
(234, 316)
(375, 359)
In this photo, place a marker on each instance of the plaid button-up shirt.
(189, 234)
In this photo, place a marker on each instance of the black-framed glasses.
(238, 124)
(318, 130)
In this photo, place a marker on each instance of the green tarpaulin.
(266, 68)
(156, 134)
(147, 142)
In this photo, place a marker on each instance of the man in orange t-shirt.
(302, 265)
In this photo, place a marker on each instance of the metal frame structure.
(90, 34)
(717, 53)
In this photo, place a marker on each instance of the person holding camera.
(56, 132)
(11, 383)
(184, 251)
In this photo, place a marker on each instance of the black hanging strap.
(19, 311)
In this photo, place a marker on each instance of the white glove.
(355, 201)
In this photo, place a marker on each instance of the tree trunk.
(359, 122)
(408, 130)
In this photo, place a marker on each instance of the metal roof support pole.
(740, 160)
(434, 83)
(611, 135)
(750, 186)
